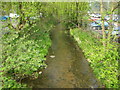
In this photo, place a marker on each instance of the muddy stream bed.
(67, 66)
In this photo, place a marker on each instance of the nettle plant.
(103, 61)
(23, 55)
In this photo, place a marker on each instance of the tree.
(102, 20)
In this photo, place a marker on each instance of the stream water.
(67, 66)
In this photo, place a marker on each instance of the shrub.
(24, 54)
(103, 62)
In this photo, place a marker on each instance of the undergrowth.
(104, 62)
(23, 54)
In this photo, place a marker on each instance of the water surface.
(67, 66)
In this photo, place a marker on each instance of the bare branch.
(115, 8)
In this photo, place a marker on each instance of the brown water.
(68, 68)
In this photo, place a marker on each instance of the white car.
(116, 31)
(13, 15)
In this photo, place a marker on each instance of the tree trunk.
(22, 19)
(110, 26)
(77, 13)
(102, 20)
(113, 8)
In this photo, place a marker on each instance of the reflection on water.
(67, 67)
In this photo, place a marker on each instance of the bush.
(103, 62)
(24, 54)
(10, 83)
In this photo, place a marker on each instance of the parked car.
(93, 19)
(13, 15)
(107, 17)
(115, 19)
(33, 18)
(4, 17)
(116, 31)
(97, 15)
(92, 15)
(96, 25)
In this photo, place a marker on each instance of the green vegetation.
(24, 54)
(103, 62)
(72, 14)
(26, 44)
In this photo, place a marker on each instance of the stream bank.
(67, 66)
